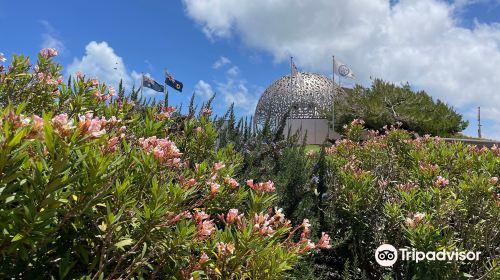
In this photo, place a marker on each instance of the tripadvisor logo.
(387, 255)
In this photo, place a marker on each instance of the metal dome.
(304, 102)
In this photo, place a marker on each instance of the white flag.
(297, 76)
(342, 70)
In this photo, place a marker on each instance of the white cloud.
(417, 41)
(101, 61)
(221, 62)
(204, 89)
(233, 90)
(50, 38)
(233, 71)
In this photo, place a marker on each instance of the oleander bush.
(420, 193)
(95, 185)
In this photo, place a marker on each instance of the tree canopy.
(385, 103)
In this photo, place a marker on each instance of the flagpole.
(333, 96)
(142, 83)
(291, 78)
(165, 88)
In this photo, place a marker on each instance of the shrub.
(96, 186)
(421, 193)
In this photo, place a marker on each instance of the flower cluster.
(493, 180)
(429, 167)
(357, 122)
(204, 226)
(224, 249)
(2, 57)
(48, 52)
(62, 125)
(407, 187)
(495, 150)
(206, 112)
(306, 244)
(265, 225)
(231, 182)
(165, 113)
(95, 127)
(262, 187)
(441, 181)
(47, 78)
(163, 149)
(413, 221)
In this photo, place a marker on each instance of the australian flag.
(152, 84)
(171, 82)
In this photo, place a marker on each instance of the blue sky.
(255, 39)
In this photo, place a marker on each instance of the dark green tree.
(385, 103)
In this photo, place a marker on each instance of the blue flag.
(171, 82)
(152, 84)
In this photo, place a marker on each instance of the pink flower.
(205, 229)
(441, 181)
(262, 187)
(206, 112)
(224, 249)
(187, 183)
(111, 91)
(62, 125)
(94, 82)
(111, 146)
(37, 122)
(164, 150)
(218, 166)
(214, 188)
(79, 74)
(233, 184)
(95, 128)
(410, 223)
(48, 52)
(309, 246)
(416, 219)
(203, 258)
(324, 241)
(493, 180)
(199, 130)
(232, 215)
(200, 216)
(357, 122)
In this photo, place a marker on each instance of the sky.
(236, 48)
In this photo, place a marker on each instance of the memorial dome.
(305, 101)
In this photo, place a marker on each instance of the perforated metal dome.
(304, 102)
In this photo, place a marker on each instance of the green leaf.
(123, 243)
(18, 237)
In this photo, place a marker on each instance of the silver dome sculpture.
(306, 101)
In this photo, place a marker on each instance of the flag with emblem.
(342, 70)
(152, 84)
(173, 83)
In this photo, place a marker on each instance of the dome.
(304, 102)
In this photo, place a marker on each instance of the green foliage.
(421, 193)
(97, 186)
(387, 104)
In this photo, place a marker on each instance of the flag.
(152, 84)
(298, 77)
(342, 70)
(171, 82)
